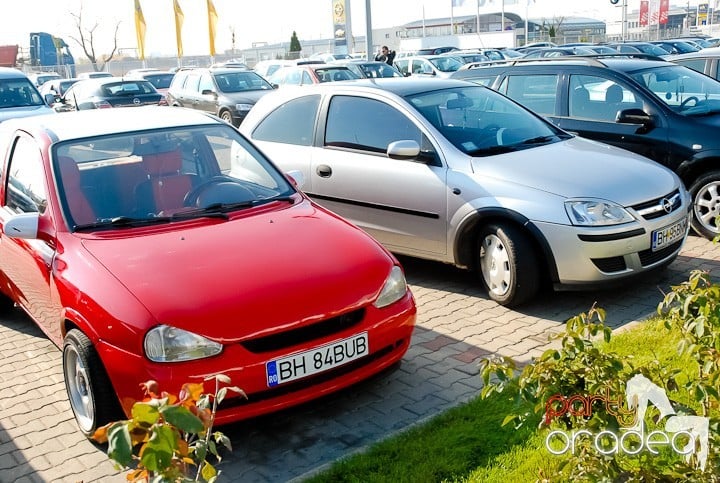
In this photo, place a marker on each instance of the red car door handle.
(324, 171)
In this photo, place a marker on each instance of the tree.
(295, 43)
(86, 40)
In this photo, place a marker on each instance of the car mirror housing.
(405, 149)
(22, 225)
(296, 178)
(635, 116)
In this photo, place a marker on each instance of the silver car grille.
(659, 207)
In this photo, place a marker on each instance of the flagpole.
(423, 11)
(502, 21)
(477, 18)
(452, 21)
(527, 32)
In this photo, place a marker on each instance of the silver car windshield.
(684, 90)
(481, 122)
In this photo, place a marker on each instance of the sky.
(253, 21)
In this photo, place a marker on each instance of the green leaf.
(157, 453)
(221, 395)
(182, 418)
(509, 418)
(220, 377)
(208, 471)
(119, 445)
(145, 413)
(223, 440)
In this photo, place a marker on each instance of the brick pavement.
(457, 324)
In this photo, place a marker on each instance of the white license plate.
(669, 234)
(324, 358)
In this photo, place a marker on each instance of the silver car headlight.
(243, 107)
(170, 344)
(596, 213)
(394, 289)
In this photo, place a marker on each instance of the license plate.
(669, 234)
(323, 358)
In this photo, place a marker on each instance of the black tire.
(507, 264)
(705, 192)
(226, 116)
(88, 387)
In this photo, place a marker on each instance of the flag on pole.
(212, 25)
(140, 30)
(179, 18)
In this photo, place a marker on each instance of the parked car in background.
(266, 68)
(150, 243)
(228, 93)
(57, 87)
(428, 65)
(160, 79)
(369, 68)
(435, 50)
(19, 97)
(237, 64)
(306, 74)
(469, 56)
(706, 61)
(639, 47)
(543, 52)
(666, 112)
(449, 171)
(39, 78)
(105, 92)
(675, 46)
(93, 75)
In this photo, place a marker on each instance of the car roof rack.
(592, 59)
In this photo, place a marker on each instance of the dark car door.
(592, 104)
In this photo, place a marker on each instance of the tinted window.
(598, 98)
(26, 191)
(694, 64)
(160, 81)
(128, 88)
(368, 124)
(291, 123)
(18, 92)
(536, 92)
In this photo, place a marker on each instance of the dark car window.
(160, 81)
(240, 81)
(292, 123)
(25, 188)
(128, 88)
(598, 98)
(536, 92)
(381, 124)
(694, 64)
(18, 92)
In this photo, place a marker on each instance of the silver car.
(444, 170)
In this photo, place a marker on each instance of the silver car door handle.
(324, 171)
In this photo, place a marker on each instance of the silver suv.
(451, 171)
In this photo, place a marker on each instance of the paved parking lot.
(457, 324)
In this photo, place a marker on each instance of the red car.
(159, 243)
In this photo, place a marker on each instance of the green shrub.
(172, 434)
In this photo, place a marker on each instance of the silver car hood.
(581, 168)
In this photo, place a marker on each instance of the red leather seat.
(81, 212)
(166, 185)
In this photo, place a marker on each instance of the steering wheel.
(691, 98)
(217, 189)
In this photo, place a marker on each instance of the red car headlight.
(394, 289)
(169, 344)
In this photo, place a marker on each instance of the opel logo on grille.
(137, 101)
(667, 205)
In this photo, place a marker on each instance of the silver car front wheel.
(705, 192)
(507, 264)
(89, 391)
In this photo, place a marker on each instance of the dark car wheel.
(91, 396)
(507, 264)
(705, 192)
(226, 116)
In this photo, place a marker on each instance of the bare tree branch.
(86, 40)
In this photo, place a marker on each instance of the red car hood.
(231, 279)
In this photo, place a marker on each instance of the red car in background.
(159, 243)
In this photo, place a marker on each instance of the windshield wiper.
(223, 208)
(119, 221)
(492, 150)
(539, 139)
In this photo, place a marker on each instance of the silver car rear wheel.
(507, 264)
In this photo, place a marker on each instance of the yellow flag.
(212, 25)
(179, 18)
(140, 30)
